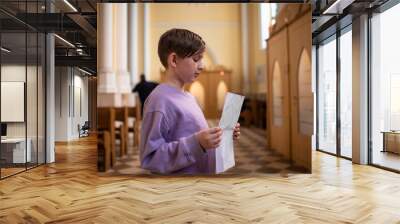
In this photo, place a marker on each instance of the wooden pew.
(106, 122)
(121, 114)
(103, 151)
(136, 112)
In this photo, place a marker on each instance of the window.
(327, 96)
(346, 94)
(385, 89)
(22, 65)
(267, 18)
(334, 94)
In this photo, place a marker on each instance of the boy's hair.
(183, 42)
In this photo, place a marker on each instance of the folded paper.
(225, 157)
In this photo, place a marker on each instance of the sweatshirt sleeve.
(160, 156)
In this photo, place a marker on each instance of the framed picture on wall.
(12, 101)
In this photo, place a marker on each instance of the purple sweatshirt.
(168, 143)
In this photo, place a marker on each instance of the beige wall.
(218, 24)
(291, 36)
(278, 128)
(300, 42)
(220, 27)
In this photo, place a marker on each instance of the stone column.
(360, 90)
(50, 98)
(146, 40)
(245, 47)
(129, 99)
(121, 46)
(133, 43)
(107, 87)
(121, 54)
(50, 93)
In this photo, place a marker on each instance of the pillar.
(107, 86)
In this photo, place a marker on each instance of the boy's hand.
(236, 132)
(209, 138)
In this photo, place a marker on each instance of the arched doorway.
(305, 95)
(197, 90)
(277, 95)
(222, 89)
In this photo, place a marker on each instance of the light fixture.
(70, 5)
(5, 50)
(84, 71)
(64, 40)
(337, 7)
(79, 51)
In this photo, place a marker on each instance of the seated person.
(144, 89)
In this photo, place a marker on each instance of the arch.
(277, 95)
(197, 90)
(305, 95)
(222, 89)
(207, 62)
(213, 58)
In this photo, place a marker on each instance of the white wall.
(62, 82)
(80, 100)
(71, 93)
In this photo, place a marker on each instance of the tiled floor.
(251, 157)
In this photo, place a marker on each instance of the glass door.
(14, 154)
(385, 89)
(326, 100)
(345, 41)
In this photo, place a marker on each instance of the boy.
(175, 137)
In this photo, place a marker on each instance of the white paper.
(224, 154)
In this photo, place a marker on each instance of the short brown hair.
(183, 42)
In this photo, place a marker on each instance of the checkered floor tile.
(251, 157)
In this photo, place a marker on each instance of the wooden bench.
(103, 151)
(121, 114)
(106, 122)
(136, 113)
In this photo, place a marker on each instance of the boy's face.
(188, 69)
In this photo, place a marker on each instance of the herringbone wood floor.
(71, 191)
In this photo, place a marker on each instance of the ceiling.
(74, 21)
(332, 15)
